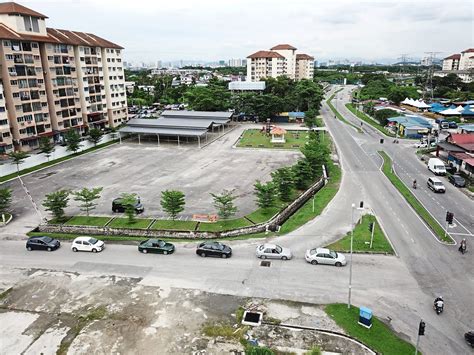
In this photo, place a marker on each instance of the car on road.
(215, 249)
(273, 251)
(424, 144)
(436, 185)
(42, 243)
(457, 180)
(87, 244)
(156, 246)
(325, 256)
(118, 206)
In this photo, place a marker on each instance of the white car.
(87, 244)
(424, 144)
(324, 256)
(273, 251)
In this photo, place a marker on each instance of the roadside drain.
(265, 263)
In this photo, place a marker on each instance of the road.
(400, 289)
(409, 167)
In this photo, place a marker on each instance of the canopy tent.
(467, 111)
(420, 104)
(437, 107)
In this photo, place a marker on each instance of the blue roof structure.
(467, 111)
(469, 127)
(436, 107)
(410, 121)
(296, 114)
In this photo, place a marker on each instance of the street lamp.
(353, 208)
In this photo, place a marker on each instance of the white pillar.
(158, 136)
(120, 137)
(138, 138)
(178, 141)
(199, 142)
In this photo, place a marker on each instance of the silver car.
(273, 251)
(324, 256)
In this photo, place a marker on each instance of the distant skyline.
(213, 30)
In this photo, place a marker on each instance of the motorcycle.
(438, 308)
(469, 336)
(414, 185)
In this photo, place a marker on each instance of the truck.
(436, 166)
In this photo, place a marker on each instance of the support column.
(158, 136)
(120, 137)
(199, 142)
(178, 141)
(139, 139)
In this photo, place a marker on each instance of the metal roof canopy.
(217, 115)
(164, 131)
(171, 123)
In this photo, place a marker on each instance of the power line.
(428, 89)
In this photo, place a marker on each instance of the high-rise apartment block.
(55, 80)
(460, 64)
(279, 60)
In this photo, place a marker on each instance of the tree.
(224, 202)
(316, 154)
(46, 147)
(87, 198)
(5, 201)
(172, 202)
(265, 193)
(399, 93)
(310, 118)
(18, 158)
(56, 202)
(384, 114)
(73, 140)
(284, 182)
(129, 201)
(303, 174)
(95, 135)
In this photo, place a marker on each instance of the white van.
(436, 185)
(436, 166)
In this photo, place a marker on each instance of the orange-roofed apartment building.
(460, 64)
(56, 80)
(280, 60)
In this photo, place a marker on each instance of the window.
(13, 82)
(6, 43)
(34, 45)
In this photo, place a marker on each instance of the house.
(458, 150)
(410, 126)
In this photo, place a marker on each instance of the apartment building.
(55, 80)
(304, 67)
(281, 59)
(460, 64)
(6, 142)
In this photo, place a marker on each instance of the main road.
(399, 289)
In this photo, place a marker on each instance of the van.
(436, 166)
(436, 185)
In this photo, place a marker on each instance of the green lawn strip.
(338, 115)
(55, 161)
(412, 200)
(123, 223)
(254, 138)
(174, 225)
(263, 214)
(379, 337)
(88, 221)
(224, 225)
(369, 120)
(322, 198)
(361, 242)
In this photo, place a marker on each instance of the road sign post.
(372, 233)
(421, 331)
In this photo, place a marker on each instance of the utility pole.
(403, 59)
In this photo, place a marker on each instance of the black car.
(156, 246)
(469, 336)
(42, 243)
(457, 180)
(215, 249)
(118, 206)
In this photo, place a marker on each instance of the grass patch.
(379, 338)
(224, 225)
(174, 225)
(322, 198)
(55, 161)
(87, 221)
(361, 242)
(412, 200)
(367, 119)
(338, 115)
(263, 214)
(224, 330)
(239, 314)
(5, 293)
(140, 223)
(254, 138)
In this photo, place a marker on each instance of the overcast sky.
(377, 30)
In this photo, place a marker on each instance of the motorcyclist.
(439, 303)
(414, 184)
(463, 246)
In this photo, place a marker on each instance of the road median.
(338, 115)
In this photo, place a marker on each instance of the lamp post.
(350, 263)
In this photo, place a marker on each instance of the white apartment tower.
(56, 80)
(281, 59)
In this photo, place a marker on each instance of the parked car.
(424, 144)
(436, 185)
(457, 180)
(436, 166)
(325, 256)
(118, 206)
(156, 246)
(273, 251)
(42, 243)
(214, 249)
(87, 244)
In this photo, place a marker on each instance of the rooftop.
(265, 54)
(13, 8)
(454, 56)
(469, 50)
(283, 47)
(304, 56)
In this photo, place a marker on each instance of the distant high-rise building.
(279, 60)
(235, 63)
(56, 80)
(222, 63)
